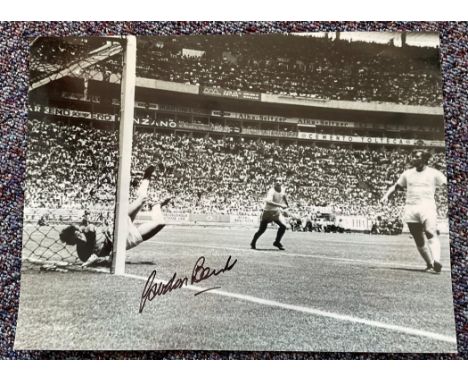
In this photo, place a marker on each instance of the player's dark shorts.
(270, 216)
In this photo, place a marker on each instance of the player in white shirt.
(274, 202)
(420, 212)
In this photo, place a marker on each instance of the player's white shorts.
(419, 213)
(133, 235)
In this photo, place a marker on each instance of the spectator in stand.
(65, 161)
(228, 173)
(299, 67)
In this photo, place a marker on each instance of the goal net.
(76, 109)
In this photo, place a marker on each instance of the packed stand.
(74, 166)
(231, 175)
(297, 66)
(70, 166)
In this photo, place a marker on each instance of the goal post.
(127, 103)
(100, 195)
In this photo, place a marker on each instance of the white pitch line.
(292, 254)
(316, 312)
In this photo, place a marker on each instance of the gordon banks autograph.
(200, 272)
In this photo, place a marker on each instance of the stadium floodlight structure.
(54, 58)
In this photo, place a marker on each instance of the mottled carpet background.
(13, 97)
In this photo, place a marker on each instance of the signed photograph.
(264, 192)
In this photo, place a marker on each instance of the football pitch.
(326, 292)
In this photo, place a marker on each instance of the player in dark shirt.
(275, 201)
(94, 245)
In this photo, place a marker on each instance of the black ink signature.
(199, 273)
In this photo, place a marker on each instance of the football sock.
(426, 255)
(142, 191)
(434, 245)
(157, 215)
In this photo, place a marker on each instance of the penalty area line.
(314, 312)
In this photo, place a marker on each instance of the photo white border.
(144, 10)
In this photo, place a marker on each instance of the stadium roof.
(421, 39)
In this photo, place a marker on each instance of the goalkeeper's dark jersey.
(98, 242)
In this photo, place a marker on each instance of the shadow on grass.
(266, 249)
(417, 270)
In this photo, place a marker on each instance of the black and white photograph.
(255, 192)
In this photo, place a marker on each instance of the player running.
(420, 212)
(274, 202)
(94, 246)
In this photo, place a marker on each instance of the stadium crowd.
(231, 175)
(294, 66)
(70, 166)
(297, 66)
(74, 167)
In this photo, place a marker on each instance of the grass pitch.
(326, 292)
